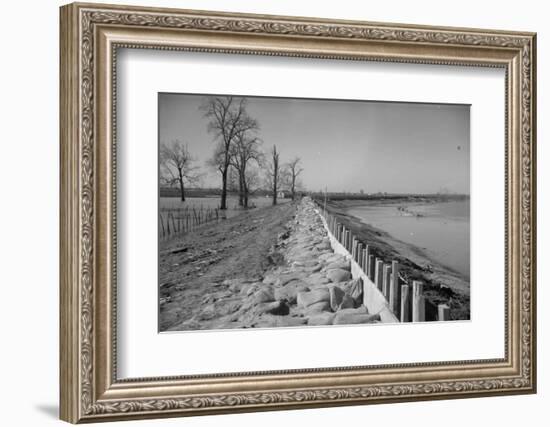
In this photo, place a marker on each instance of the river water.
(442, 230)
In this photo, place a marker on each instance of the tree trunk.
(241, 190)
(245, 194)
(274, 190)
(223, 204)
(244, 186)
(182, 188)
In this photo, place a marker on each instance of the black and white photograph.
(291, 212)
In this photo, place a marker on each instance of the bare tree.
(227, 118)
(253, 179)
(274, 173)
(176, 164)
(244, 152)
(293, 170)
(232, 180)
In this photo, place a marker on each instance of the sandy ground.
(196, 265)
(271, 267)
(442, 285)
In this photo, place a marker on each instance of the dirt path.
(196, 265)
(273, 267)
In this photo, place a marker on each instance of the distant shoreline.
(362, 200)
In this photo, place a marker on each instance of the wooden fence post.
(444, 312)
(345, 239)
(366, 260)
(162, 225)
(386, 281)
(346, 235)
(394, 288)
(378, 273)
(371, 267)
(405, 304)
(418, 307)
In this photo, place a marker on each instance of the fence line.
(177, 221)
(405, 301)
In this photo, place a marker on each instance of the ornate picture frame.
(90, 37)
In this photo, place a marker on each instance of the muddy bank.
(273, 267)
(442, 284)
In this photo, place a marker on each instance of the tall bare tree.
(274, 173)
(293, 169)
(227, 118)
(244, 152)
(176, 164)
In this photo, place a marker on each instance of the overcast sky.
(344, 145)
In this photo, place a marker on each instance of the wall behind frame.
(29, 181)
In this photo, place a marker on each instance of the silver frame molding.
(90, 37)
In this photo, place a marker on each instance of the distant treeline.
(387, 196)
(205, 192)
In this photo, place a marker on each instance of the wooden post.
(362, 258)
(162, 224)
(371, 267)
(386, 281)
(366, 261)
(339, 236)
(418, 306)
(346, 238)
(405, 304)
(353, 246)
(394, 288)
(444, 312)
(378, 273)
(346, 234)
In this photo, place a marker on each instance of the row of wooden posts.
(406, 304)
(174, 221)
